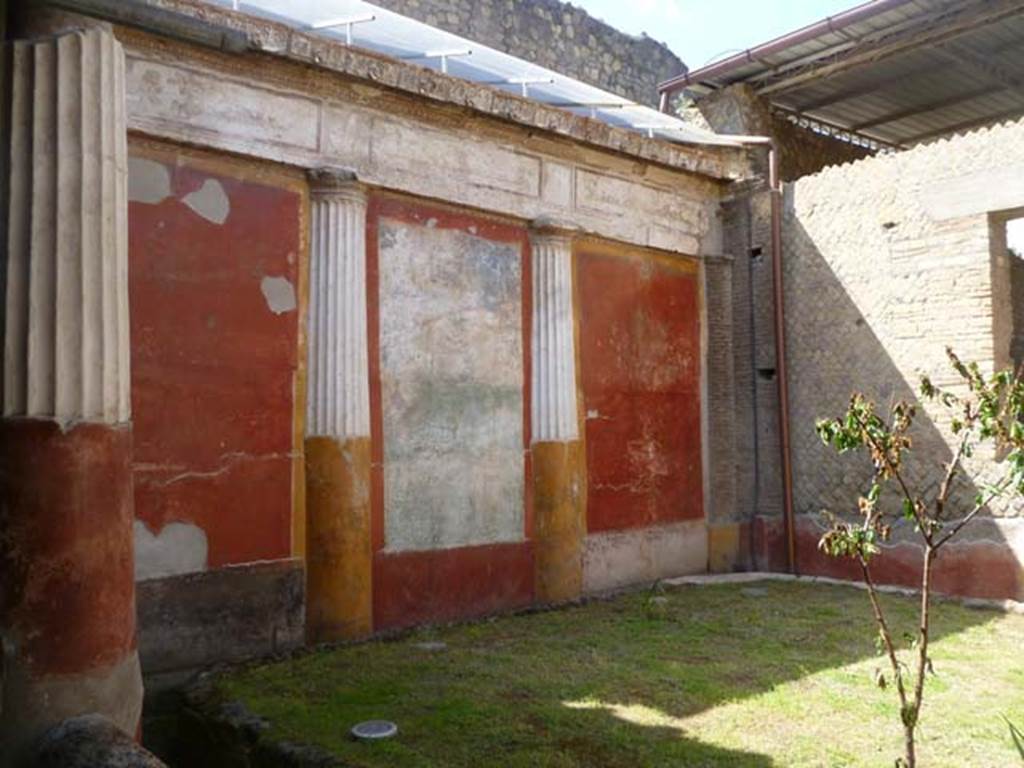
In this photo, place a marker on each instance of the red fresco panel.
(213, 365)
(412, 588)
(640, 374)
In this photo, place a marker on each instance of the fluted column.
(339, 553)
(559, 468)
(67, 590)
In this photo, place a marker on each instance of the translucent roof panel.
(368, 26)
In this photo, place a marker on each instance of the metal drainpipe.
(775, 185)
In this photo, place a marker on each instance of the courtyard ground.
(750, 675)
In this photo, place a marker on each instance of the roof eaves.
(721, 159)
(828, 25)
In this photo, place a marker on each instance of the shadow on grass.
(608, 683)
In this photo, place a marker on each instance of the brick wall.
(747, 236)
(887, 261)
(555, 35)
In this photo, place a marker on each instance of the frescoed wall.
(640, 356)
(448, 396)
(214, 276)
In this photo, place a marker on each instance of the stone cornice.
(279, 40)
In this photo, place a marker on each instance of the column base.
(339, 555)
(559, 520)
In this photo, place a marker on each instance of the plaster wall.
(219, 251)
(640, 357)
(640, 361)
(214, 281)
(449, 395)
(451, 371)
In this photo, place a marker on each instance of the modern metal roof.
(897, 72)
(367, 26)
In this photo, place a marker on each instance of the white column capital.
(548, 228)
(336, 183)
(66, 351)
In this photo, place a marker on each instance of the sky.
(701, 31)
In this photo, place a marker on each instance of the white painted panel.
(641, 555)
(596, 192)
(446, 157)
(401, 152)
(451, 356)
(178, 548)
(219, 107)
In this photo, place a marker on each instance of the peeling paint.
(279, 293)
(210, 201)
(178, 548)
(148, 181)
(640, 378)
(451, 387)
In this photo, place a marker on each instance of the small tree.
(989, 411)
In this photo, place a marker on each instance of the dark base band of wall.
(229, 614)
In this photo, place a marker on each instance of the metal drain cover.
(372, 730)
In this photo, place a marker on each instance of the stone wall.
(738, 110)
(888, 260)
(556, 35)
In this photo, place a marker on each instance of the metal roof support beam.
(966, 125)
(443, 56)
(347, 22)
(944, 27)
(835, 130)
(856, 92)
(828, 25)
(872, 86)
(981, 65)
(524, 83)
(931, 106)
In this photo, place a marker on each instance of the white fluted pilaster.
(338, 403)
(66, 350)
(554, 417)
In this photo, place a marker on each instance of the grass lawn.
(769, 674)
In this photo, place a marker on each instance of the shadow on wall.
(834, 351)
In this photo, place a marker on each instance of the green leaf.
(1018, 737)
(908, 510)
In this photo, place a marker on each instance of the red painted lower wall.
(67, 595)
(213, 365)
(640, 373)
(985, 569)
(412, 588)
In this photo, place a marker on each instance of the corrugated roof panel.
(377, 29)
(970, 75)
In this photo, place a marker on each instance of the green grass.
(719, 678)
